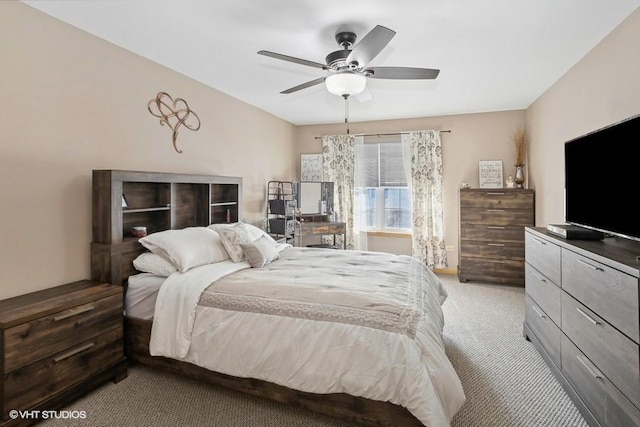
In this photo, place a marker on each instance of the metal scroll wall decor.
(173, 113)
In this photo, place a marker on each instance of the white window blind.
(382, 193)
(383, 165)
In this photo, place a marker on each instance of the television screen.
(602, 170)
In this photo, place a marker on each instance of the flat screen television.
(602, 174)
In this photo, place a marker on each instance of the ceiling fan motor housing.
(337, 59)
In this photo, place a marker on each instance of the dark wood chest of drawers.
(491, 234)
(57, 344)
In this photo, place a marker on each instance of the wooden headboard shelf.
(155, 200)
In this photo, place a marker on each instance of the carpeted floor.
(505, 380)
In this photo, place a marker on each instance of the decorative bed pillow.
(188, 247)
(253, 231)
(260, 252)
(148, 262)
(232, 237)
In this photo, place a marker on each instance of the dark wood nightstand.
(57, 344)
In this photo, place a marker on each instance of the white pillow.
(148, 262)
(232, 237)
(260, 252)
(253, 231)
(188, 247)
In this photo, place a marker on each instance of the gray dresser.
(581, 313)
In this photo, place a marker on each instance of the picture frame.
(311, 167)
(490, 174)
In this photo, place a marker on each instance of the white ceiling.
(493, 54)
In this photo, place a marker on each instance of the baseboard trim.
(451, 271)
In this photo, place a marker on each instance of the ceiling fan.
(347, 68)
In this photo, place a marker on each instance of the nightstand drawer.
(40, 380)
(40, 338)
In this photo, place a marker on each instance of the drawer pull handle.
(495, 210)
(538, 313)
(495, 244)
(73, 313)
(590, 265)
(495, 194)
(73, 352)
(542, 242)
(589, 318)
(540, 278)
(596, 374)
(495, 227)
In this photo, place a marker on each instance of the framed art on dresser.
(490, 173)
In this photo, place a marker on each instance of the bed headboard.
(155, 200)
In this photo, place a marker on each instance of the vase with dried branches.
(519, 138)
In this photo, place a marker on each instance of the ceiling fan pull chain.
(346, 111)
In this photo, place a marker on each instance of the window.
(382, 195)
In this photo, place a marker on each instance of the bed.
(356, 335)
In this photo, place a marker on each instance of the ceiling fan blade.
(292, 59)
(407, 73)
(364, 96)
(370, 46)
(304, 85)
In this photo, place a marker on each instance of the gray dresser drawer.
(613, 353)
(544, 329)
(609, 292)
(604, 400)
(544, 256)
(544, 292)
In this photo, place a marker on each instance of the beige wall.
(603, 88)
(73, 103)
(473, 137)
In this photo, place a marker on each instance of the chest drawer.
(544, 329)
(544, 292)
(493, 269)
(39, 338)
(496, 199)
(613, 353)
(488, 232)
(490, 216)
(47, 377)
(495, 249)
(609, 292)
(544, 256)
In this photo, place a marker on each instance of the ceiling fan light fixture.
(349, 84)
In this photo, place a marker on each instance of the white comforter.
(319, 321)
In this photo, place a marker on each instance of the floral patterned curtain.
(338, 166)
(422, 153)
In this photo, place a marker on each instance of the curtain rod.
(387, 134)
